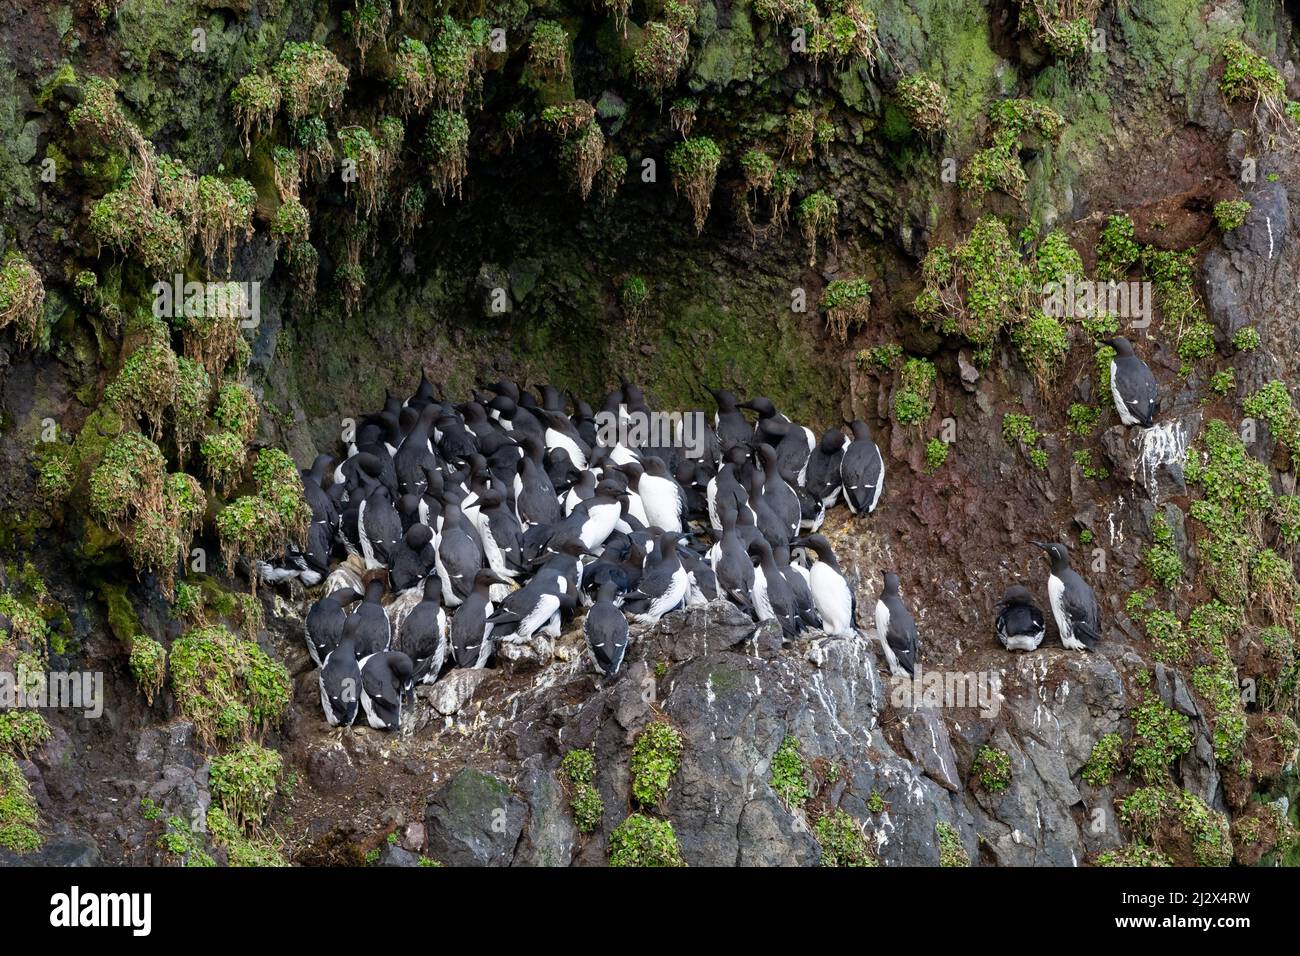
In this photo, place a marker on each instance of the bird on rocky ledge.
(1074, 605)
(1132, 386)
(1020, 624)
(896, 629)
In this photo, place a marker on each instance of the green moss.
(1223, 381)
(224, 456)
(1117, 251)
(876, 802)
(1064, 28)
(991, 769)
(644, 841)
(1082, 419)
(1238, 494)
(1104, 761)
(446, 149)
(979, 287)
(19, 820)
(1247, 76)
(952, 852)
(656, 756)
(146, 385)
(255, 100)
(818, 214)
(181, 840)
(455, 61)
(129, 480)
(579, 768)
(1162, 558)
(368, 23)
(842, 841)
(881, 357)
(1043, 345)
(56, 472)
(127, 221)
(279, 482)
(548, 50)
(1013, 124)
(659, 58)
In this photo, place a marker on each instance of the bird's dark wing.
(1081, 610)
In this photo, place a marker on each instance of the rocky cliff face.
(1175, 742)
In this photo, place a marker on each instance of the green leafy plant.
(694, 166)
(842, 841)
(656, 756)
(1105, 760)
(644, 841)
(991, 769)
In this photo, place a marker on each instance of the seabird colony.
(450, 531)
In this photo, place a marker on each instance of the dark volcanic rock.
(474, 820)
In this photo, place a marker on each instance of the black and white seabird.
(1074, 605)
(664, 582)
(773, 597)
(325, 622)
(862, 471)
(368, 625)
(822, 476)
(1020, 624)
(605, 629)
(896, 630)
(459, 556)
(414, 559)
(379, 527)
(469, 629)
(836, 604)
(340, 684)
(1132, 386)
(385, 681)
(730, 423)
(423, 634)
